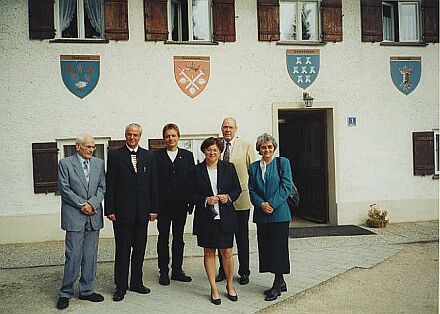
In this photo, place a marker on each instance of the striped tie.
(134, 160)
(86, 170)
(227, 152)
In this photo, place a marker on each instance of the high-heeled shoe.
(233, 298)
(215, 301)
(283, 288)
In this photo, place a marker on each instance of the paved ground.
(30, 276)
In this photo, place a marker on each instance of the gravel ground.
(405, 283)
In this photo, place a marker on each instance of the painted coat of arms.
(80, 73)
(303, 66)
(406, 73)
(191, 74)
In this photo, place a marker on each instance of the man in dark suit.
(130, 202)
(175, 166)
(81, 183)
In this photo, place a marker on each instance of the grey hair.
(230, 118)
(80, 139)
(266, 137)
(133, 125)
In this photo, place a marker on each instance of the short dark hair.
(170, 126)
(212, 141)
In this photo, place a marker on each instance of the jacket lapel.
(205, 176)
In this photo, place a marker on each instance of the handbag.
(293, 198)
(211, 211)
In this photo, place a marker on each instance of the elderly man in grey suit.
(81, 183)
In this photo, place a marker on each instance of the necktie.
(86, 170)
(227, 152)
(134, 160)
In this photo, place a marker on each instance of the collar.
(131, 149)
(81, 159)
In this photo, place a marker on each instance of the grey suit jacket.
(74, 191)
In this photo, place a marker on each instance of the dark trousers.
(130, 239)
(242, 240)
(167, 219)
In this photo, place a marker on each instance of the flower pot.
(377, 223)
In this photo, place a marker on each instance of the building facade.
(370, 135)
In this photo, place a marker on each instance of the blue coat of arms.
(303, 66)
(406, 73)
(80, 73)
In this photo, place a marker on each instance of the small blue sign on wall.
(406, 73)
(80, 73)
(351, 121)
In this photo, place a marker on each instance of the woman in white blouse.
(215, 187)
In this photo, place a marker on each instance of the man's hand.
(111, 217)
(87, 209)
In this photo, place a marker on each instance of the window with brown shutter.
(423, 153)
(223, 12)
(116, 19)
(268, 12)
(430, 14)
(155, 20)
(156, 144)
(45, 167)
(41, 23)
(115, 144)
(331, 11)
(371, 20)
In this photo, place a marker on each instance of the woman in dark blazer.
(215, 187)
(269, 188)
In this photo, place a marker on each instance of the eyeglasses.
(90, 147)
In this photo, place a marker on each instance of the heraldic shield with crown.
(406, 73)
(192, 74)
(80, 73)
(303, 66)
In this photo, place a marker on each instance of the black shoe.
(140, 289)
(220, 277)
(94, 297)
(215, 301)
(272, 295)
(244, 280)
(181, 276)
(118, 295)
(233, 298)
(164, 279)
(62, 303)
(283, 288)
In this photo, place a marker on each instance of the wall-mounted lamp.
(308, 99)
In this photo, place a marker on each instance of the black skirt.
(273, 247)
(215, 237)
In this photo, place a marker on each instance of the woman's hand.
(267, 209)
(223, 198)
(212, 200)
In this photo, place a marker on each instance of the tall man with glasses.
(81, 183)
(241, 154)
(130, 202)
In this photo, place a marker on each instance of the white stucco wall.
(373, 160)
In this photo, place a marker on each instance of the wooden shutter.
(371, 20)
(331, 12)
(156, 144)
(223, 12)
(45, 167)
(423, 153)
(41, 20)
(116, 19)
(115, 144)
(268, 12)
(156, 20)
(430, 20)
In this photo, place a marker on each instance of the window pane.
(309, 19)
(288, 21)
(93, 18)
(408, 22)
(200, 19)
(174, 20)
(387, 20)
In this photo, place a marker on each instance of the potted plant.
(376, 217)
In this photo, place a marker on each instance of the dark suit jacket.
(227, 183)
(178, 193)
(131, 196)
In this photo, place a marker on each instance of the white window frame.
(393, 31)
(299, 20)
(190, 22)
(436, 152)
(400, 4)
(196, 141)
(80, 22)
